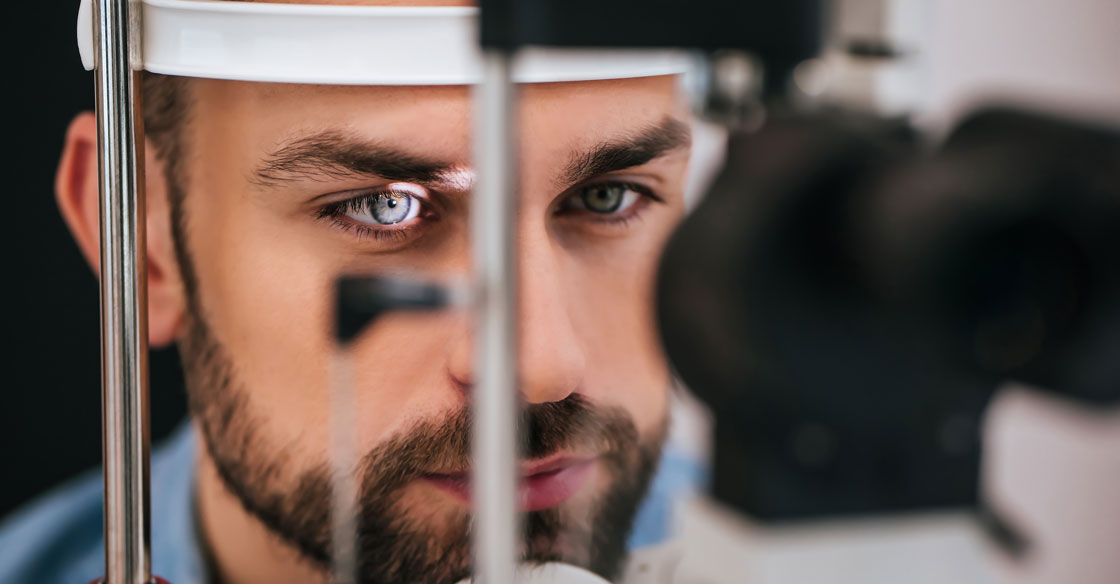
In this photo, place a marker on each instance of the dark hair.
(165, 111)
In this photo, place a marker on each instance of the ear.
(77, 193)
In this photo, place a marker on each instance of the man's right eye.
(386, 213)
(383, 208)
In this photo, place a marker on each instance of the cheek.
(266, 300)
(399, 370)
(614, 312)
(266, 288)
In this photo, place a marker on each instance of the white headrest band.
(349, 45)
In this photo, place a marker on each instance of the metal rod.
(124, 325)
(344, 459)
(494, 439)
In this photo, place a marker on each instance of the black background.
(50, 409)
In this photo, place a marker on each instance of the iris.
(604, 198)
(390, 208)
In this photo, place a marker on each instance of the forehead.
(431, 119)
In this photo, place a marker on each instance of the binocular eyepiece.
(847, 300)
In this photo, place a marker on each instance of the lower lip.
(537, 492)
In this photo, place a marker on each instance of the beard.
(394, 545)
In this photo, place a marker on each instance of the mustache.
(433, 445)
(430, 446)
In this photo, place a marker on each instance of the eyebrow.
(653, 142)
(334, 155)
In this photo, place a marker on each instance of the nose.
(551, 361)
(551, 356)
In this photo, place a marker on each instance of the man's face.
(287, 187)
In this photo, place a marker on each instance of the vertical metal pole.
(344, 459)
(124, 305)
(493, 212)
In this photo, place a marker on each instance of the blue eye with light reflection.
(385, 208)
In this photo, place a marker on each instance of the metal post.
(124, 325)
(344, 459)
(493, 211)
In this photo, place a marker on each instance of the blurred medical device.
(852, 292)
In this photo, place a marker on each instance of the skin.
(265, 263)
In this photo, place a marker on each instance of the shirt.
(58, 538)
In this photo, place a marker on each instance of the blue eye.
(606, 199)
(386, 208)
